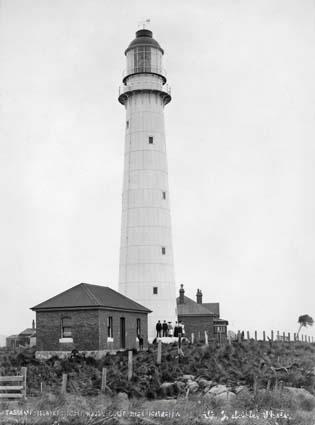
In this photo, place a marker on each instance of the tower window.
(163, 250)
(155, 290)
(164, 195)
(127, 124)
(151, 139)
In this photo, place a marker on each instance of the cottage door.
(122, 333)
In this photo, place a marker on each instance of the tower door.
(122, 332)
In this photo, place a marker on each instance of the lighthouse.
(146, 269)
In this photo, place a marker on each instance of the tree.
(305, 320)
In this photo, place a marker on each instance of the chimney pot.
(199, 296)
(181, 294)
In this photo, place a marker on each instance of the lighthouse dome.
(144, 38)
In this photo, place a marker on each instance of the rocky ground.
(242, 377)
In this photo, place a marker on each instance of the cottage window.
(151, 140)
(219, 329)
(155, 290)
(110, 327)
(163, 250)
(138, 326)
(127, 124)
(66, 327)
(164, 195)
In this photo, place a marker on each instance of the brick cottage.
(90, 318)
(199, 317)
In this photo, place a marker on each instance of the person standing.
(165, 328)
(158, 328)
(176, 330)
(170, 329)
(140, 338)
(180, 334)
(180, 329)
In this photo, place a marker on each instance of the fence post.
(206, 337)
(192, 337)
(289, 336)
(255, 335)
(264, 335)
(24, 374)
(104, 376)
(283, 336)
(255, 385)
(130, 364)
(159, 352)
(238, 336)
(64, 383)
(271, 335)
(278, 335)
(248, 335)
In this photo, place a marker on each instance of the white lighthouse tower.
(146, 272)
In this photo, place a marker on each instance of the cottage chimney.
(181, 294)
(33, 324)
(199, 296)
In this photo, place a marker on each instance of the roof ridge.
(90, 294)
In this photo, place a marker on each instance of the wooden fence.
(13, 386)
(254, 336)
(273, 336)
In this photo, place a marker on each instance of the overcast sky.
(240, 140)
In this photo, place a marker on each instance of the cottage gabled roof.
(213, 307)
(191, 308)
(28, 332)
(85, 296)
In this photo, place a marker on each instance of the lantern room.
(144, 55)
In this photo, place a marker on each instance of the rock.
(218, 389)
(192, 386)
(168, 388)
(208, 396)
(188, 377)
(166, 385)
(226, 396)
(122, 401)
(239, 389)
(300, 393)
(180, 386)
(204, 383)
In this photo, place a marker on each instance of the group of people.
(167, 330)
